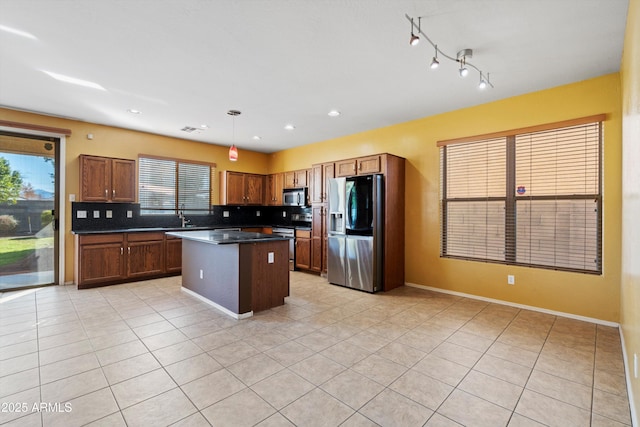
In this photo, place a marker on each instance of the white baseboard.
(218, 306)
(628, 364)
(513, 304)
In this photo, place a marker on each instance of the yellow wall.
(630, 289)
(581, 294)
(116, 142)
(586, 295)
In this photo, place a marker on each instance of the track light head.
(464, 71)
(434, 63)
(414, 40)
(482, 85)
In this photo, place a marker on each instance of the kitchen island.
(237, 272)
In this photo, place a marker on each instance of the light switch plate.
(81, 214)
(72, 197)
(96, 214)
(225, 214)
(284, 214)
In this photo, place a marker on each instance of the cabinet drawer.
(92, 239)
(145, 236)
(303, 234)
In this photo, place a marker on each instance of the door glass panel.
(27, 203)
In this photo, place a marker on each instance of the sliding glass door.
(28, 204)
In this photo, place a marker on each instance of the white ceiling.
(187, 62)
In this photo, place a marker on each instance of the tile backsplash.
(97, 216)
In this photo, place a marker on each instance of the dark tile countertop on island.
(221, 237)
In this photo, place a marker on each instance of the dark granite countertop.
(220, 237)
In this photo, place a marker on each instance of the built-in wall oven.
(290, 234)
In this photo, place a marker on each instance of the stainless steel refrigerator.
(355, 232)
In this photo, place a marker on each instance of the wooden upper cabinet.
(359, 166)
(254, 189)
(239, 188)
(275, 184)
(296, 179)
(123, 180)
(104, 179)
(315, 187)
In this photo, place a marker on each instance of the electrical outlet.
(129, 214)
(511, 279)
(284, 214)
(108, 214)
(257, 213)
(225, 214)
(96, 214)
(201, 274)
(270, 257)
(81, 214)
(72, 197)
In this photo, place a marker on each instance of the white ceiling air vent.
(190, 129)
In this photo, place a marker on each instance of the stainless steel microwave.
(294, 196)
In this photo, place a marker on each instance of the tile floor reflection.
(147, 354)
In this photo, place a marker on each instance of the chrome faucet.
(183, 219)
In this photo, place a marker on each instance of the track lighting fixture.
(414, 40)
(233, 150)
(462, 57)
(434, 62)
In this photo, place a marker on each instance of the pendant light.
(233, 150)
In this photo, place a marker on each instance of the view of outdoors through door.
(28, 245)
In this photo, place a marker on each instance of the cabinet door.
(100, 263)
(234, 188)
(173, 254)
(346, 168)
(317, 230)
(275, 184)
(303, 253)
(145, 258)
(95, 178)
(254, 189)
(290, 179)
(301, 178)
(368, 165)
(315, 187)
(123, 180)
(328, 172)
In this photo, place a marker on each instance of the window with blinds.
(524, 197)
(167, 186)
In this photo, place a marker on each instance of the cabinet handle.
(114, 193)
(129, 250)
(106, 193)
(121, 251)
(359, 166)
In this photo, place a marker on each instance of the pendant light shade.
(233, 153)
(233, 150)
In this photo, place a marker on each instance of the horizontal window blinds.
(157, 185)
(527, 199)
(167, 186)
(194, 186)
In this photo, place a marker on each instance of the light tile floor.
(147, 354)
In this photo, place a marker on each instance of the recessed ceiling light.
(334, 113)
(256, 138)
(18, 32)
(73, 80)
(204, 126)
(134, 111)
(289, 127)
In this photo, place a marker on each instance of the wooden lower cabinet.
(173, 254)
(105, 259)
(100, 259)
(303, 249)
(145, 254)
